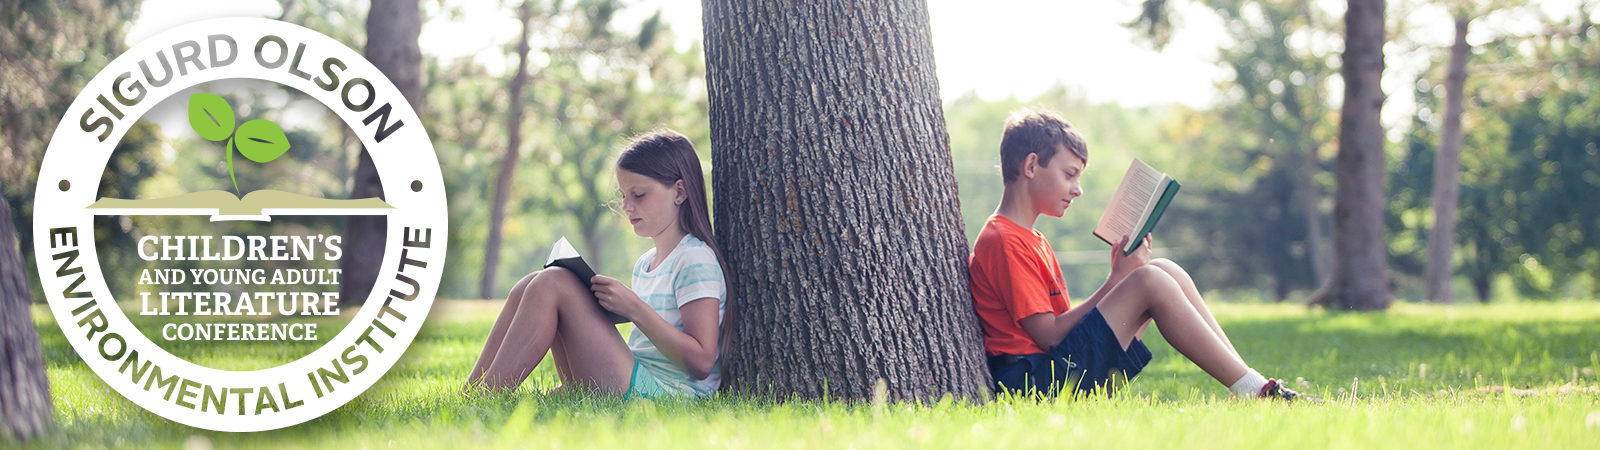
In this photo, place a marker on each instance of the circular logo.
(90, 316)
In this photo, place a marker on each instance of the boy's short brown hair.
(1039, 132)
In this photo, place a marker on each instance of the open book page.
(1130, 203)
(562, 250)
(257, 205)
(564, 256)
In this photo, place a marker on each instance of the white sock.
(1249, 385)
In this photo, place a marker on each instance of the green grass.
(1507, 375)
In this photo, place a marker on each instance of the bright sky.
(997, 48)
(1021, 48)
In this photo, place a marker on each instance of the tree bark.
(392, 29)
(837, 206)
(508, 163)
(25, 405)
(1446, 173)
(1360, 278)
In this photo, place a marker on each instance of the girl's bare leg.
(557, 304)
(497, 333)
(595, 355)
(558, 352)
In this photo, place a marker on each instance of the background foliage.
(1530, 168)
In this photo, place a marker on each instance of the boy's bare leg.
(1149, 293)
(1193, 294)
(497, 332)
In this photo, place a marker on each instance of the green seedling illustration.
(259, 140)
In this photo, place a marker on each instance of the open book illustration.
(224, 206)
(1136, 206)
(564, 256)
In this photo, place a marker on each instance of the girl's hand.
(615, 297)
(1122, 265)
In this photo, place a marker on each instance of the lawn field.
(1418, 376)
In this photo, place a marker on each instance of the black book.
(564, 256)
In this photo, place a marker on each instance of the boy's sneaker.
(1275, 389)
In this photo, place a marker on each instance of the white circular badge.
(65, 205)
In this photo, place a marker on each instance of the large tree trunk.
(24, 390)
(392, 28)
(836, 203)
(1360, 278)
(508, 163)
(1446, 170)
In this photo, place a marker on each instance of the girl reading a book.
(675, 304)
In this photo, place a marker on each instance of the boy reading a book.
(1036, 341)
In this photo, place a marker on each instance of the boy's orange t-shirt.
(1014, 275)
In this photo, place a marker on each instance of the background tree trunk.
(1308, 196)
(392, 28)
(1360, 278)
(508, 163)
(24, 390)
(836, 203)
(1446, 172)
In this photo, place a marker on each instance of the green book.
(1136, 206)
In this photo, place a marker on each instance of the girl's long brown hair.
(667, 157)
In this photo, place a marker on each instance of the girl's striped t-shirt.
(690, 272)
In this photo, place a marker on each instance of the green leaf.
(261, 140)
(210, 116)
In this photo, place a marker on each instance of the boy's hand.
(1122, 265)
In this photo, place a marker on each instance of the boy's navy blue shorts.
(1088, 358)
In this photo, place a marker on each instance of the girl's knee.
(520, 287)
(526, 280)
(552, 282)
(556, 278)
